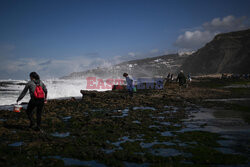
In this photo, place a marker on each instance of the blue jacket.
(130, 85)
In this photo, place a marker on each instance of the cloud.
(194, 40)
(132, 54)
(166, 52)
(92, 54)
(46, 63)
(20, 68)
(154, 51)
(228, 23)
(185, 52)
(198, 37)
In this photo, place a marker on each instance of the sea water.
(57, 88)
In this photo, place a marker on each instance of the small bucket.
(17, 108)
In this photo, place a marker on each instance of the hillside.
(226, 53)
(148, 67)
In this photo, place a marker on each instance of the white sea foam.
(57, 88)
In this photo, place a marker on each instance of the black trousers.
(35, 103)
(130, 92)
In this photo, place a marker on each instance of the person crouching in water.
(38, 96)
(130, 86)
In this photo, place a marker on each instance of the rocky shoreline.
(151, 129)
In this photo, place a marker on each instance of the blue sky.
(56, 38)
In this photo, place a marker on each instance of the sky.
(58, 37)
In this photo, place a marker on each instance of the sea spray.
(57, 88)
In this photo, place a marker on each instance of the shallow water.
(167, 133)
(3, 120)
(165, 123)
(66, 118)
(226, 143)
(177, 125)
(131, 164)
(97, 110)
(186, 144)
(217, 121)
(148, 145)
(144, 108)
(171, 108)
(6, 107)
(61, 135)
(165, 152)
(136, 122)
(159, 117)
(72, 161)
(227, 100)
(154, 126)
(123, 139)
(10, 107)
(16, 144)
(169, 112)
(124, 113)
(229, 124)
(225, 150)
(238, 86)
(189, 130)
(109, 151)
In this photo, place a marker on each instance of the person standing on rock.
(130, 86)
(181, 78)
(38, 95)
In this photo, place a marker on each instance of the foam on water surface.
(57, 88)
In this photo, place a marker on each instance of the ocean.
(57, 88)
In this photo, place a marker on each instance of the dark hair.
(34, 75)
(125, 74)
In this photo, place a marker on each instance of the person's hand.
(45, 101)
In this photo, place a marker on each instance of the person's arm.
(45, 91)
(26, 88)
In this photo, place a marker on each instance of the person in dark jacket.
(34, 102)
(181, 78)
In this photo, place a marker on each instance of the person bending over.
(130, 86)
(38, 95)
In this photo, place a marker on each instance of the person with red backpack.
(38, 96)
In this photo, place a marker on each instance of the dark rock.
(226, 53)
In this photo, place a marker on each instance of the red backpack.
(39, 94)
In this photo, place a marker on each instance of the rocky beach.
(206, 124)
(124, 83)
